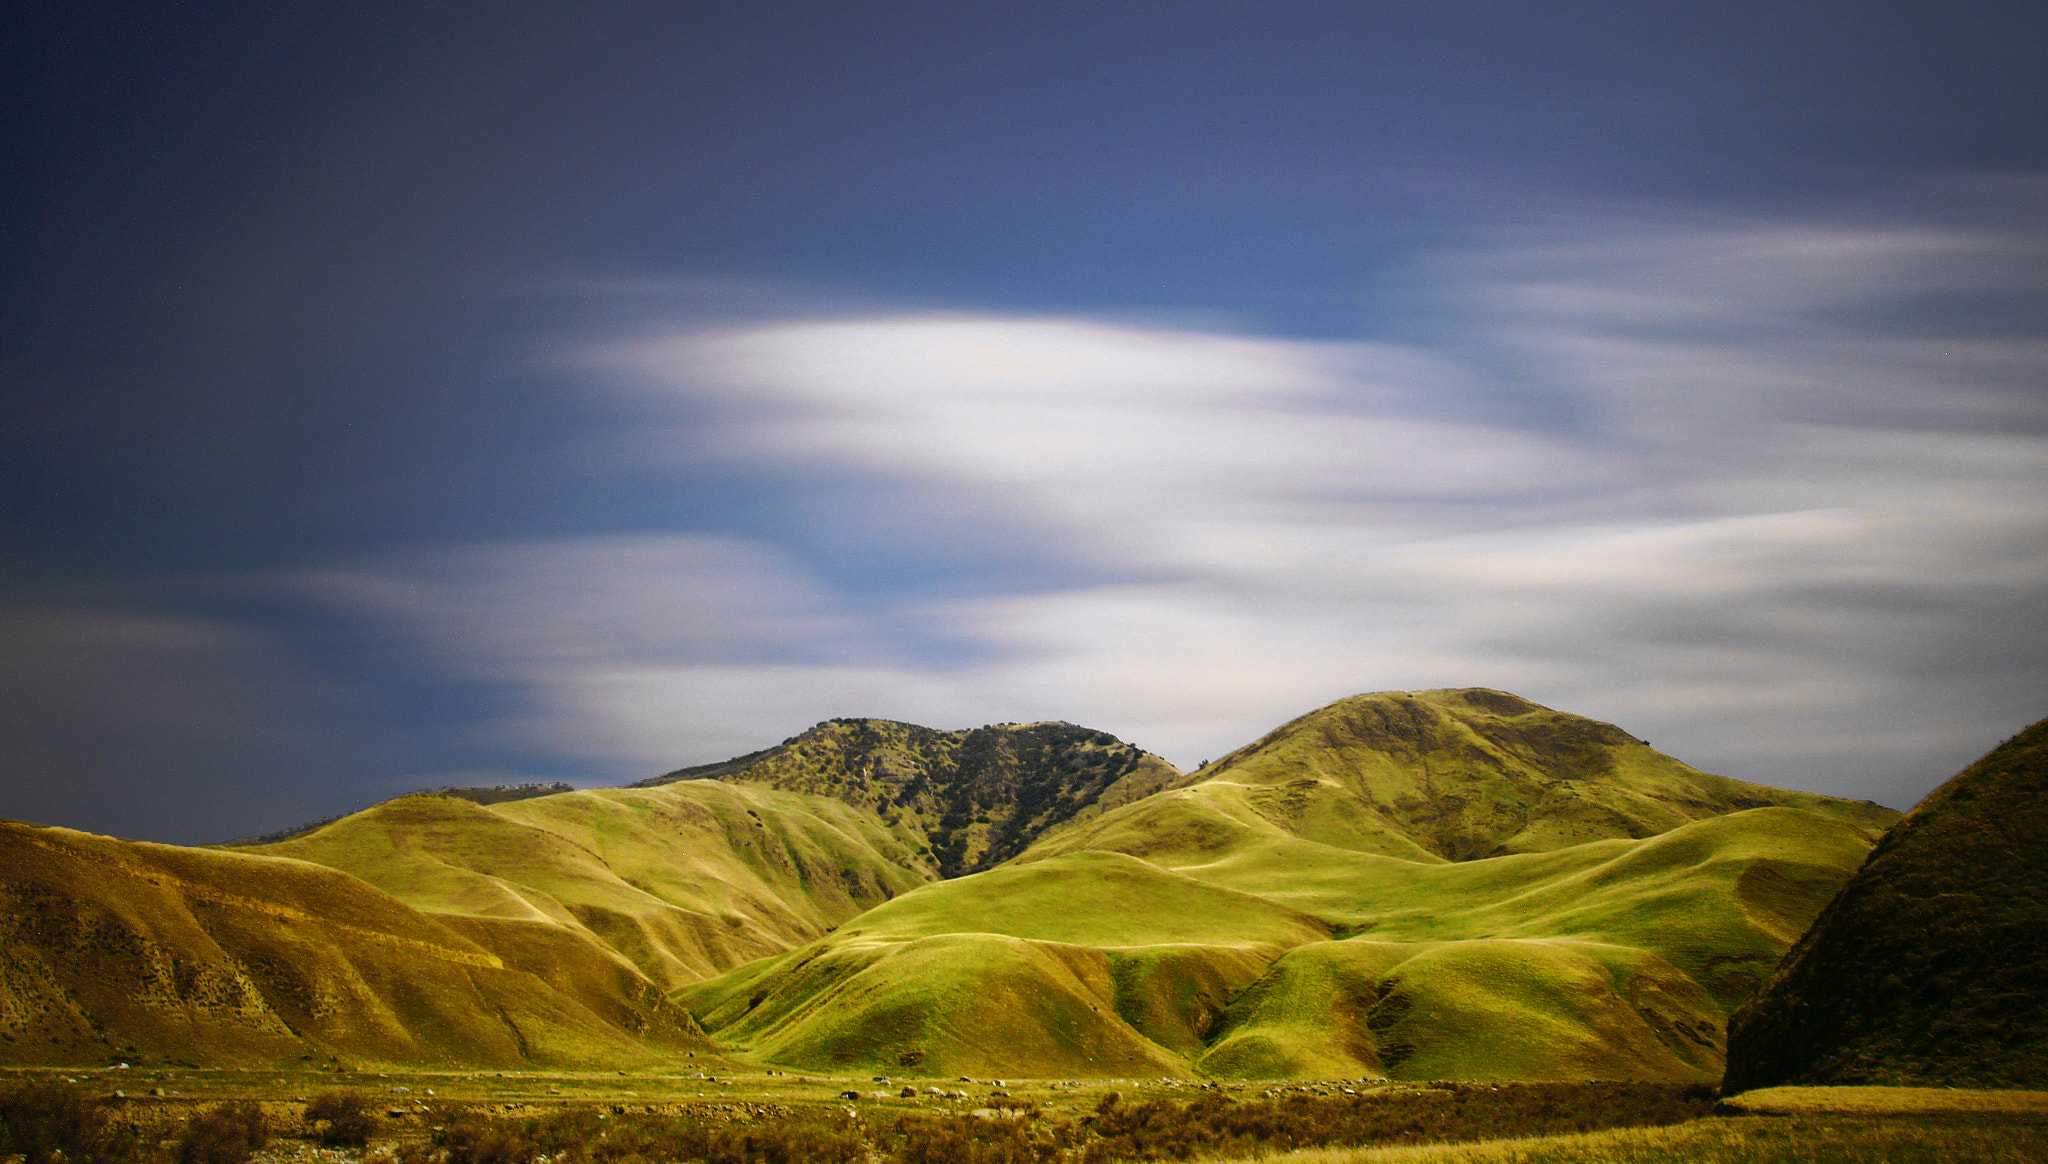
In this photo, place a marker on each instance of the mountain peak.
(1466, 773)
(966, 800)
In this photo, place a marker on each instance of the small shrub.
(44, 1123)
(341, 1119)
(475, 1139)
(228, 1134)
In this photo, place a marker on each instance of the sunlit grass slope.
(1931, 966)
(121, 950)
(1453, 774)
(1077, 963)
(1616, 959)
(1439, 884)
(1617, 956)
(1900, 1101)
(682, 881)
(964, 1003)
(1484, 1009)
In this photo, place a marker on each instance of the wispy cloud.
(1754, 488)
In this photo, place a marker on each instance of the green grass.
(1475, 773)
(1614, 959)
(1498, 1009)
(1093, 899)
(1438, 884)
(683, 881)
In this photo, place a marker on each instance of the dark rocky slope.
(971, 799)
(1930, 967)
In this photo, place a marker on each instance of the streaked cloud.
(1716, 479)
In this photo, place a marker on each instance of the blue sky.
(406, 395)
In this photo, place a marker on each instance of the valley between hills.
(1439, 885)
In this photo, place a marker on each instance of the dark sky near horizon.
(400, 395)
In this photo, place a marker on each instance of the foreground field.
(153, 1117)
(1779, 1125)
(161, 1116)
(1750, 1140)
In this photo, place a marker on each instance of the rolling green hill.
(682, 881)
(1614, 959)
(1501, 890)
(1436, 884)
(1437, 776)
(1930, 968)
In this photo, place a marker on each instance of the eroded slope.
(116, 949)
(965, 800)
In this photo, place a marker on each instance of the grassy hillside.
(1483, 1009)
(1931, 966)
(1452, 775)
(682, 881)
(1418, 885)
(119, 950)
(1512, 893)
(1615, 959)
(966, 800)
(1075, 960)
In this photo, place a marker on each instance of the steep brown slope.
(1930, 968)
(970, 799)
(115, 949)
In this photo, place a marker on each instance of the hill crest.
(1467, 773)
(968, 800)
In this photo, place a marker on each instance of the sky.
(402, 395)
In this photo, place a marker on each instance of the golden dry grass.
(1751, 1140)
(1896, 1101)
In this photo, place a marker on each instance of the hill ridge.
(968, 799)
(1397, 883)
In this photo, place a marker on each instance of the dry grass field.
(162, 1116)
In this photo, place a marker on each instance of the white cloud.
(518, 607)
(1763, 521)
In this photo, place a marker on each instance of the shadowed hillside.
(117, 950)
(1931, 966)
(973, 799)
